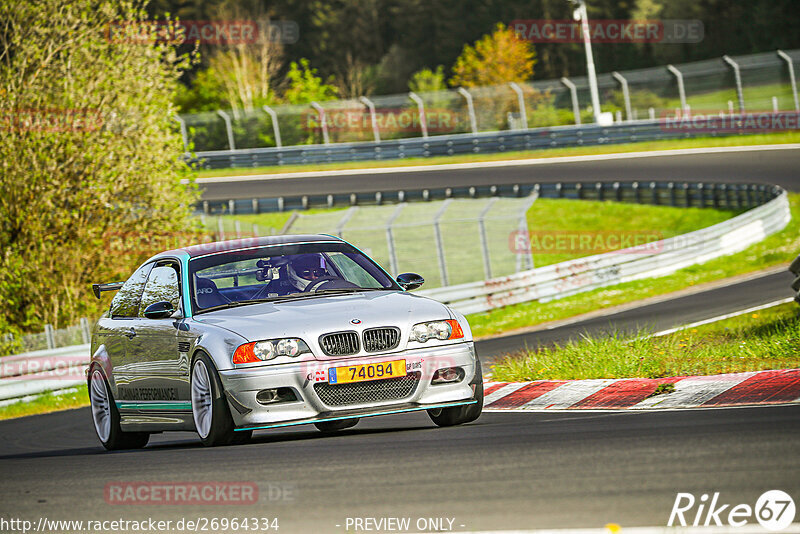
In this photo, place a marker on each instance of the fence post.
(228, 128)
(275, 127)
(49, 336)
(487, 265)
(681, 89)
(367, 102)
(85, 333)
(576, 110)
(220, 229)
(625, 94)
(470, 109)
(437, 232)
(738, 78)
(345, 219)
(390, 239)
(184, 134)
(323, 122)
(423, 122)
(789, 63)
(521, 102)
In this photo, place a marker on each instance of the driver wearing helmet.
(305, 269)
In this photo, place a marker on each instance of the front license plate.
(367, 371)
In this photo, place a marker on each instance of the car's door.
(118, 326)
(161, 369)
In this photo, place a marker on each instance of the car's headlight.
(261, 351)
(449, 329)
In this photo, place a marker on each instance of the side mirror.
(159, 310)
(409, 281)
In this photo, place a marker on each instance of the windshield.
(280, 272)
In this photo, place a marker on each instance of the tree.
(427, 80)
(306, 86)
(90, 156)
(494, 59)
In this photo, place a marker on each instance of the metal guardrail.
(584, 274)
(468, 143)
(31, 373)
(794, 268)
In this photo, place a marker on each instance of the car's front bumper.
(242, 386)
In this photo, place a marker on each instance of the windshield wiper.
(347, 290)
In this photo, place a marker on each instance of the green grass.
(777, 249)
(47, 403)
(756, 139)
(613, 219)
(767, 339)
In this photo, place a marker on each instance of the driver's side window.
(162, 285)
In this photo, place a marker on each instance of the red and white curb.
(738, 389)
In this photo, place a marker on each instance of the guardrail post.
(617, 192)
(390, 239)
(275, 127)
(576, 110)
(701, 191)
(437, 232)
(373, 119)
(681, 89)
(654, 194)
(599, 188)
(687, 195)
(228, 128)
(254, 204)
(423, 122)
(232, 207)
(671, 188)
(470, 109)
(323, 122)
(184, 134)
(487, 265)
(789, 63)
(738, 78)
(625, 94)
(49, 336)
(636, 198)
(521, 103)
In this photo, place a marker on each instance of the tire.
(335, 426)
(210, 411)
(106, 418)
(459, 415)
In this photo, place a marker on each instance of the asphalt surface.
(653, 317)
(504, 471)
(767, 166)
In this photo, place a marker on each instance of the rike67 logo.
(774, 510)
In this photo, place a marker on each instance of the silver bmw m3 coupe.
(231, 337)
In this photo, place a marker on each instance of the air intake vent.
(184, 346)
(379, 339)
(389, 389)
(339, 344)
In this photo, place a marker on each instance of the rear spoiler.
(110, 286)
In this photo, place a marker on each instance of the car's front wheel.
(459, 415)
(212, 417)
(106, 419)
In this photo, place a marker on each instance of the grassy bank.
(736, 140)
(766, 339)
(779, 248)
(47, 403)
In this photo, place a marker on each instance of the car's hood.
(310, 317)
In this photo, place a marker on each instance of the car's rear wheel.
(106, 418)
(335, 426)
(459, 415)
(212, 417)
